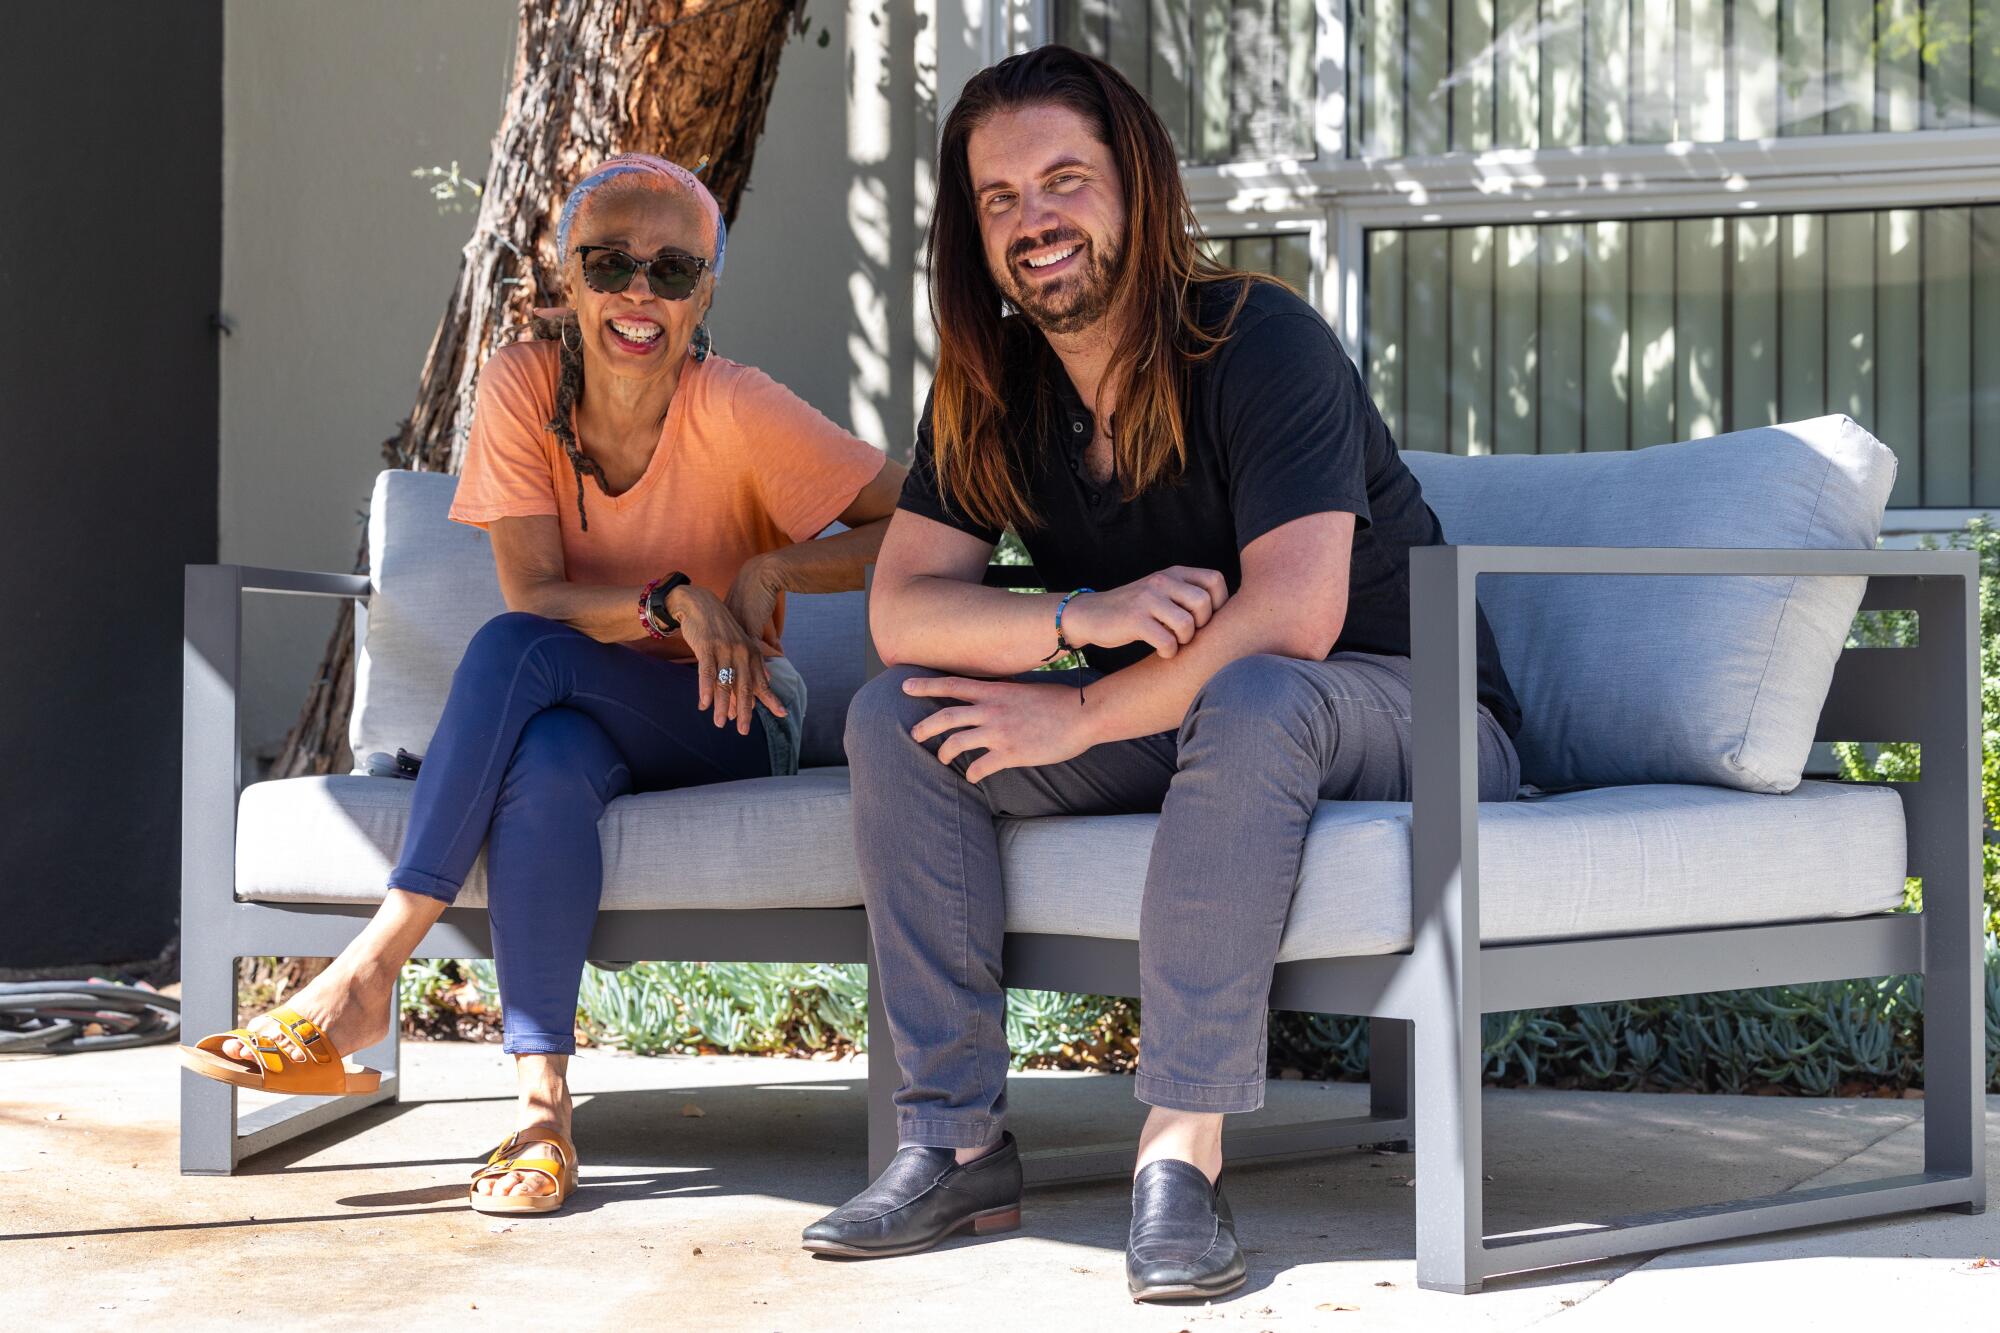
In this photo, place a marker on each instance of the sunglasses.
(671, 276)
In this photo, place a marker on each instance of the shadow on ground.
(698, 1174)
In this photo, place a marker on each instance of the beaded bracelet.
(1063, 645)
(646, 611)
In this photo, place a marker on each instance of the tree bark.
(686, 79)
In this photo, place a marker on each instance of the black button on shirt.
(1278, 426)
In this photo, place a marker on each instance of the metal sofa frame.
(1425, 1005)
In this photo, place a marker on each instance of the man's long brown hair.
(1160, 269)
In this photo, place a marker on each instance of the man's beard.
(1074, 302)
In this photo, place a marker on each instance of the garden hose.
(57, 1017)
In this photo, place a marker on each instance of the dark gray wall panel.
(110, 248)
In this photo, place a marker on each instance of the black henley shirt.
(1278, 426)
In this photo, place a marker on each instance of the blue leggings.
(544, 726)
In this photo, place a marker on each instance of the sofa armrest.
(1938, 707)
(1929, 694)
(211, 739)
(297, 582)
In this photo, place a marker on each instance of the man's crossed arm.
(928, 608)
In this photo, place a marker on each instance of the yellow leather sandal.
(562, 1172)
(294, 1056)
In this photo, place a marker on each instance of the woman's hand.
(719, 640)
(753, 597)
(1163, 609)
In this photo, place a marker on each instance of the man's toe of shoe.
(1214, 1274)
(830, 1230)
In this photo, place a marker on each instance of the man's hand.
(1163, 609)
(1018, 725)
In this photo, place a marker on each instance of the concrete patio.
(691, 1220)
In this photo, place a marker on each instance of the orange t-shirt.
(743, 466)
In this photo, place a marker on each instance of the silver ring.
(726, 676)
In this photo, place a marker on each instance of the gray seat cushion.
(434, 585)
(765, 842)
(1670, 679)
(1609, 861)
(1602, 862)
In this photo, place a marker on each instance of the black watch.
(656, 601)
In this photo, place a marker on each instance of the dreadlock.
(569, 389)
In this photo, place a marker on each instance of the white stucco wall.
(336, 263)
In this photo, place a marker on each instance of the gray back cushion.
(434, 586)
(826, 636)
(1668, 678)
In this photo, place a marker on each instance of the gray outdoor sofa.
(1667, 846)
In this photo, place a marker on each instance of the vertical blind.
(1436, 76)
(1233, 79)
(1555, 337)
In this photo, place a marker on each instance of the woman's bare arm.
(528, 554)
(825, 564)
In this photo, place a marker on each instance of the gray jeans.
(1265, 740)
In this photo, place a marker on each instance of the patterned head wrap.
(650, 172)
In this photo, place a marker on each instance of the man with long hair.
(1194, 465)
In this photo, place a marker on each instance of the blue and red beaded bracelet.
(1063, 645)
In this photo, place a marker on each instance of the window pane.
(1436, 76)
(1565, 336)
(1233, 79)
(1285, 255)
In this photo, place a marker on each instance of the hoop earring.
(702, 343)
(563, 331)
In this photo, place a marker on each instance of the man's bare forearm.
(965, 628)
(1154, 695)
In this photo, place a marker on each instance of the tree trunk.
(685, 79)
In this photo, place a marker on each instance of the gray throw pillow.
(1670, 678)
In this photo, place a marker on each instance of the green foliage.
(760, 1008)
(1827, 1039)
(1053, 1030)
(767, 1009)
(454, 191)
(1901, 761)
(427, 993)
(1936, 34)
(1010, 551)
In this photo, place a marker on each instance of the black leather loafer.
(1183, 1241)
(920, 1199)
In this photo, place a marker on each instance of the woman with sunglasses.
(640, 651)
